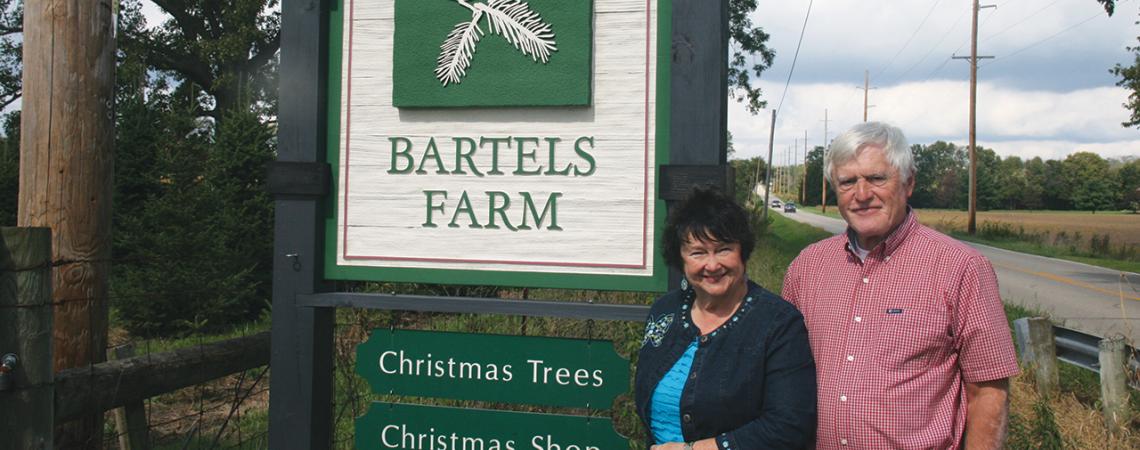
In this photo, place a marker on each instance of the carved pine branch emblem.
(511, 19)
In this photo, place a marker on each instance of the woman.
(724, 364)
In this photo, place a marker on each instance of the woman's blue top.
(750, 383)
(666, 423)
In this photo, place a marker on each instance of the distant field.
(1122, 229)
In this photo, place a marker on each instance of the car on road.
(776, 203)
(789, 207)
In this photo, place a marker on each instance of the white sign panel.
(497, 142)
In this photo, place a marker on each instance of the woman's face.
(713, 268)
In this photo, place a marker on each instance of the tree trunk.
(67, 140)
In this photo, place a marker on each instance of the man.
(910, 339)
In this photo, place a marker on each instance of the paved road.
(1088, 298)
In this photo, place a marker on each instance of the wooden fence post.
(130, 420)
(1113, 385)
(1038, 351)
(26, 408)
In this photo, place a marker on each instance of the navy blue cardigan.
(752, 384)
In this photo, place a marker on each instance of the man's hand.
(987, 414)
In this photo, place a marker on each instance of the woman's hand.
(698, 445)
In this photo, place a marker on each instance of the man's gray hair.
(873, 134)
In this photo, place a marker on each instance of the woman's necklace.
(709, 319)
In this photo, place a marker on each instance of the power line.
(909, 39)
(1039, 11)
(932, 48)
(794, 58)
(1042, 41)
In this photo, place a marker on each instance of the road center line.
(1066, 280)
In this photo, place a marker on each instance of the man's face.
(871, 195)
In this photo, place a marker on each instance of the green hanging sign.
(420, 427)
(498, 368)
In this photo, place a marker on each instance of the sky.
(1047, 92)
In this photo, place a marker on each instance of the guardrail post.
(1113, 389)
(26, 400)
(1038, 351)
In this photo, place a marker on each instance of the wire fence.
(228, 412)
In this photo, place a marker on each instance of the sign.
(418, 427)
(509, 142)
(499, 368)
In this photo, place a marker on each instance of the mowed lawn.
(1122, 229)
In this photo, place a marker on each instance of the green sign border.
(333, 271)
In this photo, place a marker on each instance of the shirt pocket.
(911, 336)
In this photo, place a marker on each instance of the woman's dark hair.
(709, 215)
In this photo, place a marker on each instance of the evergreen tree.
(10, 169)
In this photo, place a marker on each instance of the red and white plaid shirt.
(897, 335)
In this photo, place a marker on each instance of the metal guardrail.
(1083, 350)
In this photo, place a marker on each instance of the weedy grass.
(1103, 239)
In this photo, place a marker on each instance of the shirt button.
(850, 357)
(843, 441)
(704, 339)
(687, 418)
(866, 280)
(842, 398)
(858, 319)
(693, 376)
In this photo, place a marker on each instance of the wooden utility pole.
(67, 138)
(971, 223)
(822, 166)
(866, 87)
(768, 172)
(803, 180)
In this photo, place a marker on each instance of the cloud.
(1048, 92)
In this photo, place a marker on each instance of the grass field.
(1060, 226)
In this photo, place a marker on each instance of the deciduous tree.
(1091, 184)
(750, 55)
(226, 49)
(939, 167)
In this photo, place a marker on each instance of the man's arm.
(987, 414)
